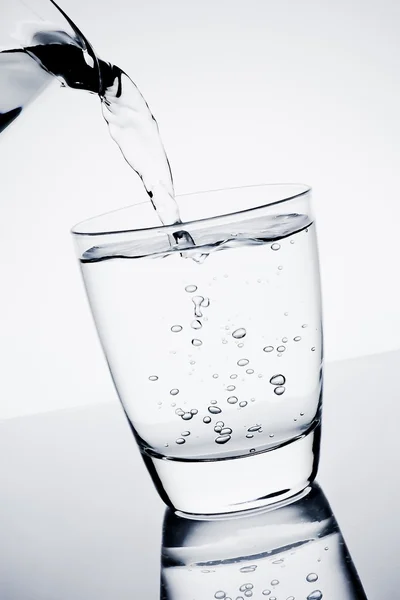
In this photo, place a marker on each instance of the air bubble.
(205, 302)
(315, 595)
(254, 428)
(250, 371)
(240, 345)
(179, 412)
(174, 392)
(192, 362)
(166, 445)
(187, 416)
(284, 340)
(197, 301)
(280, 268)
(302, 414)
(292, 241)
(224, 341)
(153, 377)
(275, 246)
(278, 379)
(215, 376)
(286, 314)
(311, 577)
(248, 593)
(249, 435)
(275, 582)
(242, 362)
(214, 410)
(196, 342)
(246, 586)
(233, 376)
(239, 333)
(281, 349)
(191, 288)
(176, 328)
(231, 388)
(297, 338)
(222, 439)
(180, 441)
(196, 324)
(226, 431)
(279, 390)
(207, 420)
(249, 569)
(291, 598)
(243, 403)
(194, 411)
(304, 325)
(278, 562)
(313, 349)
(185, 433)
(220, 423)
(213, 402)
(266, 592)
(220, 595)
(252, 450)
(271, 435)
(232, 400)
(217, 429)
(268, 348)
(173, 404)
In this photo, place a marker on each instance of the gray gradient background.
(244, 92)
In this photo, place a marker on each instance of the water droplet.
(279, 390)
(213, 402)
(242, 362)
(174, 392)
(222, 439)
(230, 388)
(153, 377)
(194, 411)
(278, 379)
(297, 338)
(215, 376)
(249, 569)
(197, 301)
(243, 403)
(214, 410)
(233, 376)
(250, 435)
(268, 348)
(250, 371)
(176, 328)
(254, 428)
(180, 441)
(196, 324)
(304, 325)
(239, 333)
(311, 577)
(207, 420)
(205, 302)
(191, 288)
(187, 416)
(196, 342)
(232, 400)
(185, 433)
(280, 268)
(315, 595)
(284, 340)
(281, 349)
(275, 582)
(275, 246)
(226, 431)
(266, 592)
(220, 595)
(313, 349)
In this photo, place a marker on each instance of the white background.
(244, 93)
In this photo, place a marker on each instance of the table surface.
(80, 518)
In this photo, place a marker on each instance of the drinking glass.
(212, 332)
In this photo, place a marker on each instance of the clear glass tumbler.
(214, 343)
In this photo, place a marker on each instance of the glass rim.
(175, 227)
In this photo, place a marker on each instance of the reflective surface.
(80, 518)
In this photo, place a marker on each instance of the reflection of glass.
(215, 349)
(295, 552)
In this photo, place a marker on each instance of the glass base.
(237, 484)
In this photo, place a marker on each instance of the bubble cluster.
(246, 586)
(176, 328)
